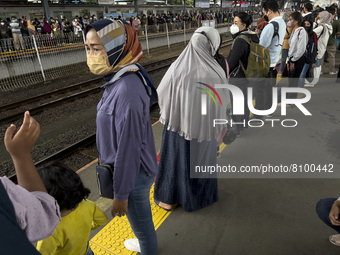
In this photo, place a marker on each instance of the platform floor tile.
(110, 240)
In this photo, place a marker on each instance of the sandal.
(166, 209)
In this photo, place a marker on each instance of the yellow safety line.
(110, 240)
(222, 147)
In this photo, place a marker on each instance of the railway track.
(81, 145)
(89, 86)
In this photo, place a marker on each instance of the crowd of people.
(13, 30)
(299, 43)
(309, 43)
(124, 132)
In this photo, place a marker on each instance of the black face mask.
(308, 29)
(266, 18)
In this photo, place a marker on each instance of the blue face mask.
(336, 18)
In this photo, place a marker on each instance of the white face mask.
(2, 23)
(290, 24)
(336, 18)
(234, 29)
(318, 21)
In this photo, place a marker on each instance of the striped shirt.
(14, 24)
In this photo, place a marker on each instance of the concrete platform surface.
(263, 215)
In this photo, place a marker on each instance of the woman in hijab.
(323, 29)
(124, 132)
(47, 27)
(187, 113)
(31, 28)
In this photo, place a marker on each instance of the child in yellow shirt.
(79, 216)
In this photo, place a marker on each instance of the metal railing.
(33, 59)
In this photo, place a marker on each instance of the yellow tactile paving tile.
(222, 147)
(110, 240)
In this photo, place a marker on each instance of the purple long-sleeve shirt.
(124, 133)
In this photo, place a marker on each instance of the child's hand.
(23, 141)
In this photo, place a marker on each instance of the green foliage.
(190, 2)
(175, 2)
(180, 2)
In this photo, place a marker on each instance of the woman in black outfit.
(240, 52)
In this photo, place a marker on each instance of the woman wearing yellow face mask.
(124, 133)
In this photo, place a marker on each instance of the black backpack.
(311, 50)
(276, 31)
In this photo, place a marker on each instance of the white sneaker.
(309, 85)
(132, 245)
(335, 239)
(332, 73)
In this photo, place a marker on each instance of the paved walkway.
(264, 216)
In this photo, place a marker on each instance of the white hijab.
(179, 97)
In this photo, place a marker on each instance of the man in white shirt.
(271, 38)
(14, 25)
(307, 10)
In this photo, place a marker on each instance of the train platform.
(260, 214)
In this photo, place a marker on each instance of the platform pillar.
(46, 9)
(136, 7)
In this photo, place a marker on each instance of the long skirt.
(173, 183)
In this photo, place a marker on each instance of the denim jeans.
(316, 71)
(303, 75)
(284, 56)
(140, 216)
(323, 207)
